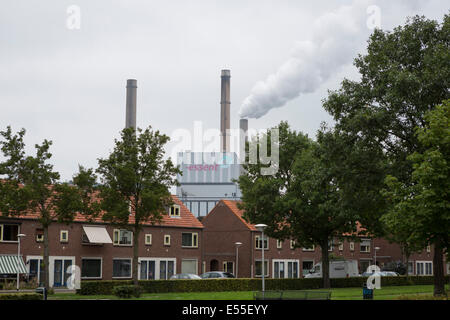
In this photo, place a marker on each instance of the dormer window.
(174, 210)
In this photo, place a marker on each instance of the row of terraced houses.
(179, 244)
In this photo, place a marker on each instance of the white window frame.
(167, 236)
(1, 232)
(424, 264)
(285, 271)
(194, 240)
(116, 242)
(259, 243)
(66, 232)
(311, 249)
(341, 246)
(131, 268)
(157, 261)
(352, 246)
(39, 237)
(176, 210)
(279, 244)
(225, 268)
(330, 245)
(361, 246)
(92, 258)
(428, 248)
(148, 239)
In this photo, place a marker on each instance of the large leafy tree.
(302, 200)
(404, 74)
(424, 206)
(135, 181)
(31, 186)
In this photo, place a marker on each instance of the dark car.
(217, 274)
(184, 276)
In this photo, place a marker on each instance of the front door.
(60, 274)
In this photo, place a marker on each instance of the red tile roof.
(232, 205)
(186, 218)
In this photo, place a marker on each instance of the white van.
(338, 269)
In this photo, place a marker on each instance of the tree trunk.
(135, 254)
(46, 261)
(438, 270)
(325, 266)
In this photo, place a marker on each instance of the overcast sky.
(68, 85)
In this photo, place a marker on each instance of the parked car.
(338, 269)
(380, 273)
(184, 276)
(217, 274)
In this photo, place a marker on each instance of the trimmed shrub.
(105, 287)
(20, 296)
(127, 291)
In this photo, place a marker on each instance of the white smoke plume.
(337, 36)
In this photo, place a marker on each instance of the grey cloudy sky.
(68, 86)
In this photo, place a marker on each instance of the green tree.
(404, 74)
(302, 200)
(31, 186)
(427, 201)
(135, 182)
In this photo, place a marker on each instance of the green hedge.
(20, 296)
(92, 287)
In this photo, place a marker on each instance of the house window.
(365, 245)
(36, 270)
(428, 249)
(292, 244)
(410, 267)
(121, 268)
(174, 210)
(9, 232)
(64, 236)
(189, 240)
(309, 248)
(292, 269)
(147, 269)
(228, 266)
(278, 269)
(167, 240)
(424, 268)
(91, 268)
(166, 269)
(279, 244)
(258, 268)
(307, 266)
(148, 239)
(259, 243)
(123, 237)
(39, 235)
(330, 245)
(352, 246)
(341, 246)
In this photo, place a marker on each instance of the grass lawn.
(386, 293)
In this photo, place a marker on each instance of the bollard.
(43, 291)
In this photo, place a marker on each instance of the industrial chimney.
(225, 111)
(130, 120)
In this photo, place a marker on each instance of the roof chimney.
(225, 111)
(130, 120)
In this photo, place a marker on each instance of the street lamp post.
(237, 244)
(20, 235)
(261, 228)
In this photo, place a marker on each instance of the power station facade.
(209, 177)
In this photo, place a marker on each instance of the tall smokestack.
(130, 120)
(225, 111)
